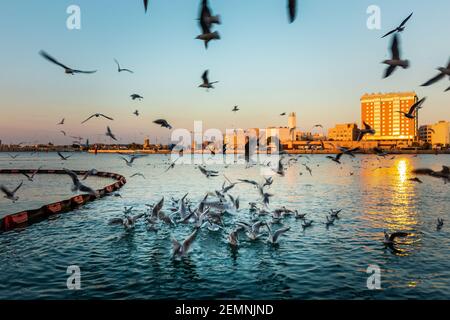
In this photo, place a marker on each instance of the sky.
(319, 66)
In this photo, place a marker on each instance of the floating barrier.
(26, 218)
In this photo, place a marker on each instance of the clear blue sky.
(319, 66)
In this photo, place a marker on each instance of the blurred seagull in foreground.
(66, 69)
(77, 185)
(400, 28)
(206, 84)
(11, 195)
(367, 130)
(395, 61)
(292, 8)
(206, 20)
(145, 5)
(443, 72)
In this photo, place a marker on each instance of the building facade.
(344, 132)
(441, 134)
(382, 113)
(425, 133)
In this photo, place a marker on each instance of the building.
(344, 132)
(382, 113)
(425, 133)
(283, 134)
(292, 120)
(146, 143)
(441, 134)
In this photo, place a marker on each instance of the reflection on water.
(315, 263)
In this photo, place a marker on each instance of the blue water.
(316, 263)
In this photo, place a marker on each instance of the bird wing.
(205, 13)
(86, 72)
(51, 59)
(389, 33)
(18, 187)
(433, 80)
(109, 118)
(205, 76)
(292, 6)
(88, 119)
(416, 105)
(406, 20)
(73, 175)
(158, 207)
(6, 191)
(279, 232)
(397, 234)
(61, 156)
(118, 65)
(189, 240)
(146, 5)
(338, 156)
(395, 48)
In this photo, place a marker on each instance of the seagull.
(208, 173)
(443, 72)
(206, 20)
(380, 152)
(308, 168)
(280, 169)
(273, 236)
(367, 130)
(396, 61)
(400, 28)
(307, 224)
(172, 165)
(136, 113)
(138, 175)
(206, 84)
(146, 5)
(119, 69)
(347, 151)
(67, 69)
(253, 231)
(110, 134)
(13, 156)
(336, 158)
(440, 223)
(235, 109)
(163, 123)
(233, 238)
(62, 156)
(330, 221)
(282, 114)
(414, 107)
(130, 161)
(97, 115)
(443, 174)
(61, 122)
(390, 238)
(292, 7)
(335, 213)
(415, 180)
(300, 216)
(77, 185)
(63, 132)
(135, 96)
(181, 249)
(11, 195)
(31, 177)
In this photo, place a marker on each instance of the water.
(317, 263)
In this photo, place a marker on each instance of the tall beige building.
(441, 133)
(381, 112)
(292, 120)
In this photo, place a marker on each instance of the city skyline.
(253, 77)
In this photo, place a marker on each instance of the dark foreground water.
(317, 263)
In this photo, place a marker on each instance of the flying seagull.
(67, 69)
(235, 109)
(110, 134)
(367, 130)
(400, 28)
(163, 123)
(135, 96)
(136, 113)
(31, 177)
(119, 69)
(77, 185)
(206, 20)
(62, 156)
(336, 158)
(396, 61)
(97, 115)
(443, 72)
(390, 238)
(282, 114)
(412, 111)
(61, 122)
(11, 195)
(292, 7)
(206, 84)
(130, 161)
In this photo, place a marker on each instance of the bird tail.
(405, 64)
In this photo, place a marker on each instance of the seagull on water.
(66, 69)
(11, 195)
(400, 28)
(395, 61)
(182, 249)
(440, 223)
(390, 238)
(273, 236)
(206, 84)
